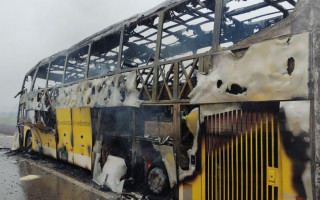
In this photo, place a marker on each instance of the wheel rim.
(157, 180)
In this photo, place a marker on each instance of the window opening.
(242, 18)
(76, 65)
(188, 29)
(28, 81)
(56, 71)
(104, 55)
(41, 78)
(139, 43)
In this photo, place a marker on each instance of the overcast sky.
(31, 30)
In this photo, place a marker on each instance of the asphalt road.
(21, 178)
(25, 176)
(6, 141)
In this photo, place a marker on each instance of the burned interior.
(139, 43)
(171, 102)
(187, 29)
(242, 19)
(104, 55)
(56, 72)
(76, 65)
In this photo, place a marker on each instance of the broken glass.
(77, 65)
(41, 78)
(242, 18)
(56, 71)
(104, 55)
(188, 29)
(139, 43)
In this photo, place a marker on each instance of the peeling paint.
(297, 116)
(260, 74)
(111, 173)
(110, 91)
(297, 119)
(192, 120)
(16, 141)
(31, 100)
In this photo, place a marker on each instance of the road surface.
(24, 176)
(6, 141)
(27, 176)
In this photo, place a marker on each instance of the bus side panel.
(192, 187)
(258, 151)
(195, 188)
(36, 140)
(42, 142)
(82, 137)
(48, 143)
(65, 143)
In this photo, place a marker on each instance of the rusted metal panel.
(161, 129)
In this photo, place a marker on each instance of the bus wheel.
(29, 141)
(157, 180)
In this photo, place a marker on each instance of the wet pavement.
(46, 186)
(42, 177)
(6, 141)
(29, 175)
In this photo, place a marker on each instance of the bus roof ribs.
(247, 9)
(257, 6)
(292, 2)
(278, 6)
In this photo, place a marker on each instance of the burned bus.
(193, 99)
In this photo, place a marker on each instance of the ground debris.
(132, 195)
(29, 177)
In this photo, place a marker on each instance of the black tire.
(28, 141)
(157, 180)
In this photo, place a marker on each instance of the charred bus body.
(202, 99)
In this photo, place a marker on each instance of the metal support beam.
(176, 137)
(120, 49)
(175, 81)
(159, 36)
(217, 25)
(88, 62)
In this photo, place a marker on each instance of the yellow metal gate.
(243, 159)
